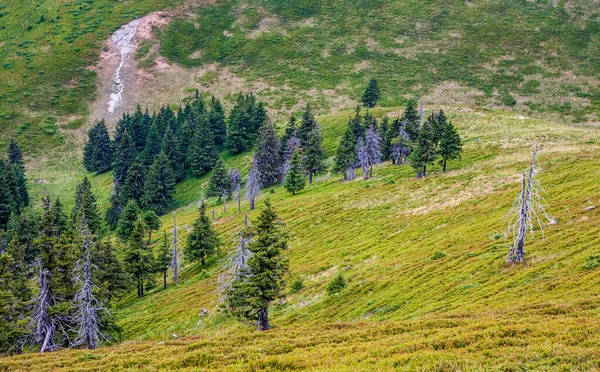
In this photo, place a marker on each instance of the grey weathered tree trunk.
(175, 261)
(524, 214)
(45, 327)
(224, 201)
(239, 197)
(87, 307)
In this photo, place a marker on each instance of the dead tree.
(235, 180)
(235, 266)
(87, 307)
(524, 214)
(44, 326)
(400, 146)
(292, 145)
(254, 184)
(175, 259)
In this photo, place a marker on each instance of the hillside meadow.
(424, 259)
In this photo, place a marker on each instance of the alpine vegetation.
(262, 280)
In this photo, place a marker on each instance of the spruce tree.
(202, 152)
(450, 146)
(345, 157)
(203, 240)
(411, 120)
(372, 94)
(216, 120)
(313, 157)
(153, 146)
(245, 120)
(7, 202)
(152, 222)
(128, 218)
(110, 276)
(171, 149)
(98, 152)
(219, 184)
(114, 210)
(386, 139)
(262, 280)
(139, 123)
(85, 205)
(163, 258)
(424, 152)
(15, 156)
(294, 180)
(267, 155)
(159, 186)
(138, 256)
(307, 126)
(135, 182)
(125, 155)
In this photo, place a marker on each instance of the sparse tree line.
(411, 139)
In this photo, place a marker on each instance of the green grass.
(427, 284)
(507, 51)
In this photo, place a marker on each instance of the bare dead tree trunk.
(263, 318)
(45, 327)
(224, 202)
(175, 262)
(444, 170)
(251, 204)
(246, 220)
(165, 280)
(424, 171)
(213, 215)
(524, 212)
(87, 307)
(239, 190)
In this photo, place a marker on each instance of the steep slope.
(428, 287)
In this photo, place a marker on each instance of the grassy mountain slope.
(538, 55)
(427, 284)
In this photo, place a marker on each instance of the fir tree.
(290, 132)
(7, 202)
(128, 218)
(386, 139)
(219, 184)
(98, 152)
(267, 155)
(313, 157)
(85, 205)
(294, 180)
(450, 146)
(254, 185)
(135, 183)
(163, 258)
(245, 120)
(345, 157)
(424, 152)
(15, 156)
(159, 186)
(203, 240)
(153, 146)
(171, 149)
(411, 120)
(125, 156)
(372, 94)
(138, 256)
(152, 223)
(216, 121)
(202, 152)
(307, 126)
(109, 276)
(114, 210)
(138, 127)
(251, 293)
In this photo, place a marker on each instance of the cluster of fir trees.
(292, 158)
(58, 277)
(411, 138)
(13, 184)
(151, 153)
